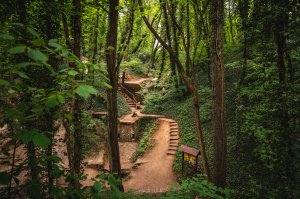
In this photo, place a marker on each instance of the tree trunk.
(128, 32)
(281, 23)
(77, 113)
(169, 40)
(218, 121)
(65, 24)
(162, 65)
(95, 39)
(114, 156)
(188, 39)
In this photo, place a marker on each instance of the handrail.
(131, 95)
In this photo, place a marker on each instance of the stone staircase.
(173, 138)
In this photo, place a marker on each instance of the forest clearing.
(168, 99)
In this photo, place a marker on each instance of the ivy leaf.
(4, 178)
(105, 85)
(72, 73)
(55, 45)
(38, 42)
(6, 37)
(23, 75)
(85, 91)
(23, 64)
(41, 140)
(4, 82)
(37, 55)
(54, 100)
(97, 186)
(17, 50)
(33, 32)
(26, 136)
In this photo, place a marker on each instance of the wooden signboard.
(189, 158)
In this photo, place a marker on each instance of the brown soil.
(156, 173)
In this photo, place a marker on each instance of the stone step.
(173, 124)
(171, 153)
(174, 138)
(172, 148)
(173, 145)
(172, 131)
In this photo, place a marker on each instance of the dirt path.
(156, 173)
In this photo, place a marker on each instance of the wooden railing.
(127, 92)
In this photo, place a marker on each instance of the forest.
(169, 99)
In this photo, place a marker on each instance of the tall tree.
(111, 46)
(218, 121)
(77, 110)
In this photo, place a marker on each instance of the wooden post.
(123, 78)
(182, 164)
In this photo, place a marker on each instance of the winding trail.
(155, 173)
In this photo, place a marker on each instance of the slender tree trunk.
(163, 62)
(188, 39)
(95, 38)
(218, 109)
(77, 110)
(153, 56)
(169, 40)
(175, 42)
(230, 20)
(126, 36)
(281, 23)
(65, 24)
(21, 11)
(114, 157)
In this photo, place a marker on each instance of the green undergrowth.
(146, 128)
(105, 186)
(135, 66)
(94, 133)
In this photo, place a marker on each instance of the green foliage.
(85, 91)
(35, 90)
(105, 186)
(197, 186)
(145, 142)
(134, 66)
(93, 133)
